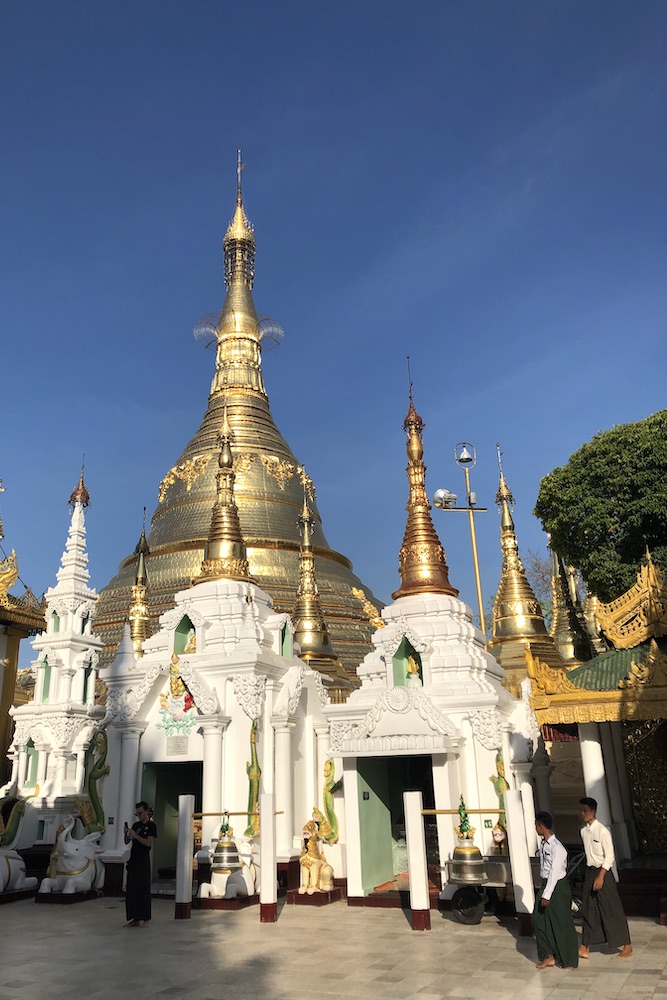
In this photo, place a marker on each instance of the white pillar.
(127, 775)
(355, 881)
(79, 773)
(522, 772)
(22, 767)
(268, 864)
(420, 904)
(212, 727)
(522, 877)
(593, 767)
(322, 737)
(184, 853)
(443, 800)
(42, 762)
(284, 789)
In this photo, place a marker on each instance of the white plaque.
(177, 746)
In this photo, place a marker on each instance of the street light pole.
(475, 558)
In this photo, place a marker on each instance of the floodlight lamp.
(444, 499)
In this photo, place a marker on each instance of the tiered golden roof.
(268, 488)
(640, 613)
(421, 561)
(517, 616)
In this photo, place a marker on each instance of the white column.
(619, 826)
(284, 785)
(268, 760)
(443, 800)
(355, 882)
(184, 853)
(79, 773)
(61, 772)
(522, 772)
(22, 767)
(593, 767)
(42, 763)
(268, 865)
(127, 776)
(213, 728)
(420, 904)
(65, 685)
(78, 693)
(522, 878)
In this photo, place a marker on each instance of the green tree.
(609, 503)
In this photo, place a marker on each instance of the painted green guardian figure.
(553, 923)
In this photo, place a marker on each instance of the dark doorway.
(161, 785)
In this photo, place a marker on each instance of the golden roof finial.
(138, 616)
(238, 357)
(80, 494)
(225, 553)
(567, 630)
(421, 560)
(310, 628)
(516, 611)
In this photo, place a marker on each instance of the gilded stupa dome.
(269, 488)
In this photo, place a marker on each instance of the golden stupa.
(269, 487)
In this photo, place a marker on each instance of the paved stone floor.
(84, 951)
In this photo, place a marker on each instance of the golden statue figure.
(316, 872)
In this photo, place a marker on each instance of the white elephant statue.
(77, 867)
(12, 872)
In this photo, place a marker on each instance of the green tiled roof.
(604, 672)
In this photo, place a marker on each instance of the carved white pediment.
(389, 638)
(125, 703)
(195, 616)
(402, 719)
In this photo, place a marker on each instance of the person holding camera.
(138, 890)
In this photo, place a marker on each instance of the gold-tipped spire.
(422, 562)
(567, 629)
(225, 553)
(79, 494)
(238, 358)
(138, 616)
(310, 627)
(518, 622)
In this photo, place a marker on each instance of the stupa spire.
(422, 562)
(138, 615)
(225, 552)
(238, 359)
(310, 628)
(73, 576)
(516, 611)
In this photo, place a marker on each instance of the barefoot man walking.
(555, 933)
(604, 919)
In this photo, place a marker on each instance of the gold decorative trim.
(188, 472)
(369, 608)
(546, 680)
(638, 614)
(652, 673)
(281, 470)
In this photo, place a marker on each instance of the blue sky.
(477, 184)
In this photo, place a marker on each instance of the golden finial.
(138, 616)
(80, 494)
(239, 229)
(225, 552)
(516, 611)
(422, 562)
(569, 633)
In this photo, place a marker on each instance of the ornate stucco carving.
(205, 698)
(249, 690)
(487, 729)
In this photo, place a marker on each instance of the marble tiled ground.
(367, 954)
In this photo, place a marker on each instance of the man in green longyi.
(553, 923)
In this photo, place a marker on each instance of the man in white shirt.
(604, 919)
(553, 922)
